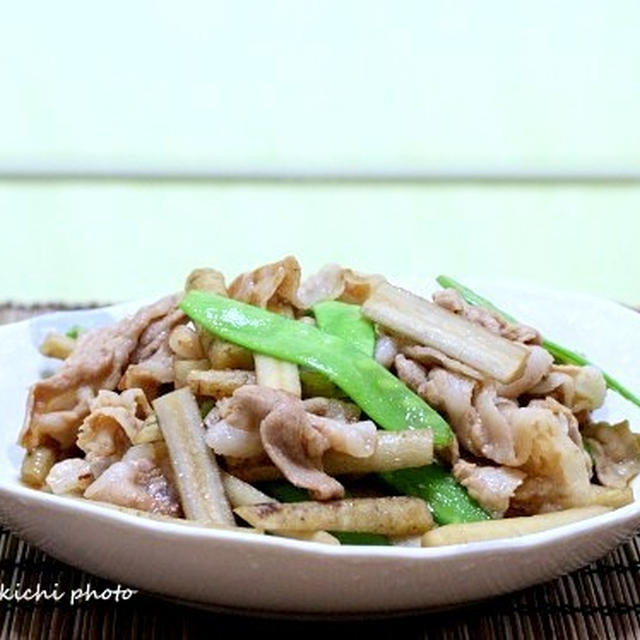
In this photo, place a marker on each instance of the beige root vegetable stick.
(57, 345)
(219, 384)
(196, 470)
(277, 374)
(36, 464)
(394, 450)
(185, 343)
(506, 528)
(431, 325)
(610, 497)
(182, 369)
(226, 355)
(242, 494)
(149, 432)
(396, 516)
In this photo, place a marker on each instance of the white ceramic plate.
(259, 573)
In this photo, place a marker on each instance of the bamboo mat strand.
(601, 600)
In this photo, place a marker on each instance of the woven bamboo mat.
(599, 601)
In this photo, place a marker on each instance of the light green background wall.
(368, 88)
(332, 86)
(110, 241)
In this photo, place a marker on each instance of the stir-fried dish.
(341, 409)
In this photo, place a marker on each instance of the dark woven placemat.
(599, 601)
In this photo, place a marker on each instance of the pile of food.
(342, 409)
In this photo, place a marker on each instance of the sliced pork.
(293, 437)
(579, 388)
(616, 452)
(334, 282)
(430, 357)
(114, 419)
(141, 480)
(492, 487)
(273, 287)
(450, 299)
(538, 365)
(296, 448)
(70, 476)
(541, 439)
(57, 405)
(152, 361)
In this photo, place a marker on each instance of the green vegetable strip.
(73, 332)
(387, 400)
(206, 406)
(315, 384)
(346, 321)
(286, 492)
(361, 538)
(560, 353)
(449, 501)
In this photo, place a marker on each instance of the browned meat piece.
(445, 399)
(430, 357)
(506, 431)
(333, 282)
(249, 406)
(579, 388)
(72, 475)
(541, 439)
(273, 286)
(152, 360)
(616, 452)
(233, 427)
(558, 470)
(206, 280)
(57, 405)
(567, 421)
(227, 440)
(492, 487)
(450, 299)
(296, 448)
(450, 394)
(414, 375)
(293, 438)
(538, 439)
(538, 365)
(332, 408)
(106, 433)
(327, 416)
(156, 335)
(141, 480)
(472, 411)
(150, 374)
(357, 439)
